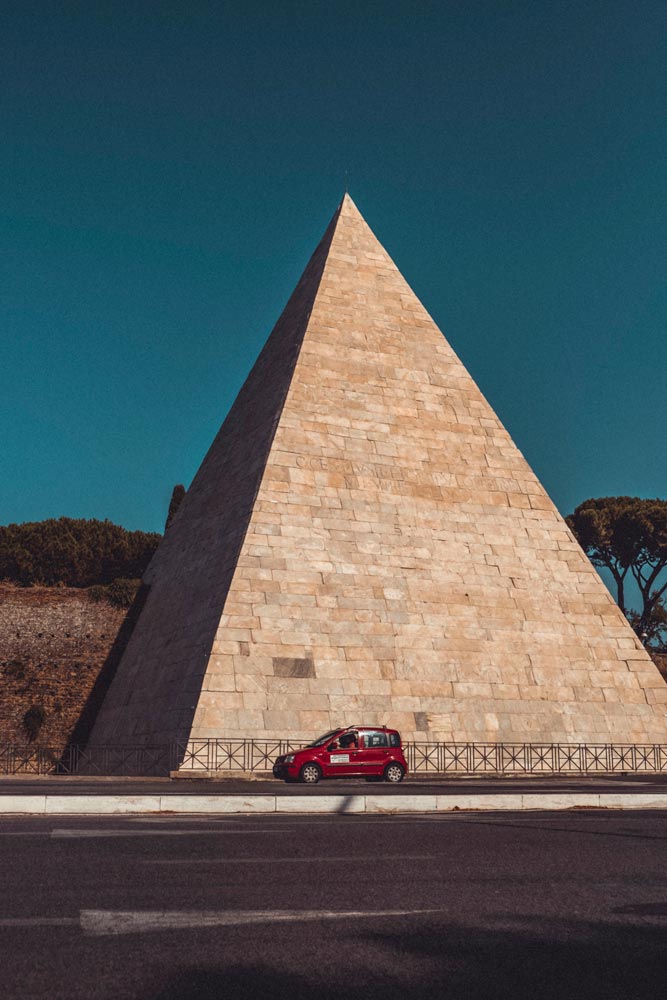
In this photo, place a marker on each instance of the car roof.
(384, 729)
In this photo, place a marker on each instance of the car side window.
(374, 739)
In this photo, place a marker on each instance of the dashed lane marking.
(74, 833)
(109, 922)
(274, 860)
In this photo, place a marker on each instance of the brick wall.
(54, 644)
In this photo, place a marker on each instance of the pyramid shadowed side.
(155, 691)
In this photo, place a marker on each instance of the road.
(417, 784)
(529, 905)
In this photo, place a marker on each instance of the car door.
(340, 761)
(374, 752)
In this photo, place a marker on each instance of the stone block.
(217, 804)
(401, 804)
(336, 804)
(23, 804)
(68, 805)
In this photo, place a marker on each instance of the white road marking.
(325, 858)
(190, 818)
(74, 833)
(110, 922)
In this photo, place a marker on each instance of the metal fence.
(229, 756)
(137, 761)
(535, 758)
(233, 755)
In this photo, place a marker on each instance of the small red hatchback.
(356, 751)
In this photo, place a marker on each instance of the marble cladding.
(365, 543)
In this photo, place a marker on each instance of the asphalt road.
(255, 908)
(413, 785)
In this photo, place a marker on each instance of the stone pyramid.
(364, 543)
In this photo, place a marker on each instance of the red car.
(358, 751)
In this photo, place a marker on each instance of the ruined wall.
(54, 643)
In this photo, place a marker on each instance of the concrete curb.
(98, 805)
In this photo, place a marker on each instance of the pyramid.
(365, 544)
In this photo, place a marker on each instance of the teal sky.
(166, 170)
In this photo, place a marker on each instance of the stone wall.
(54, 644)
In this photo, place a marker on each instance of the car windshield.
(323, 739)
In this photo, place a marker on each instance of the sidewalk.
(53, 795)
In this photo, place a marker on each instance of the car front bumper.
(283, 770)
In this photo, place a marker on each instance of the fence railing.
(535, 758)
(233, 755)
(229, 756)
(108, 760)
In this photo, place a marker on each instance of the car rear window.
(375, 739)
(394, 739)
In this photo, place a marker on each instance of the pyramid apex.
(347, 206)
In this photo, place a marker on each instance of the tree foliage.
(627, 535)
(74, 552)
(177, 495)
(652, 628)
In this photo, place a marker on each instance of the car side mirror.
(332, 746)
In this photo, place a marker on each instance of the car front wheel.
(393, 773)
(310, 774)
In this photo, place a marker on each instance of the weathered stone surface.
(363, 510)
(54, 645)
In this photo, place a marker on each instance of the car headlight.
(289, 758)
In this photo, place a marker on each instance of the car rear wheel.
(393, 773)
(310, 774)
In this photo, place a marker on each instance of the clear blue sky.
(166, 169)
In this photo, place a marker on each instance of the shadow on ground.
(567, 960)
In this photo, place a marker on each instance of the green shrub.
(122, 592)
(75, 552)
(98, 593)
(119, 592)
